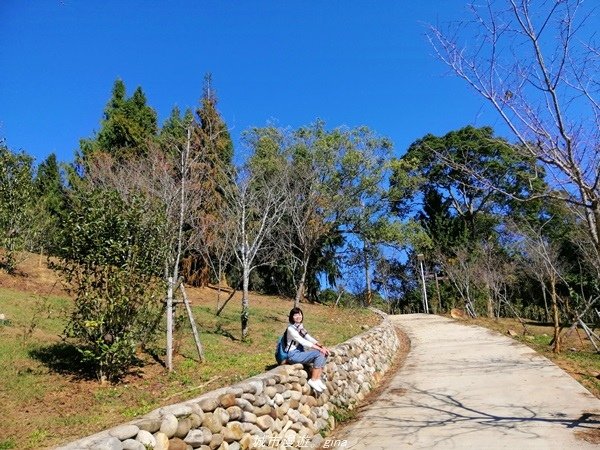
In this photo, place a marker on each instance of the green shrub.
(112, 253)
(17, 208)
(8, 444)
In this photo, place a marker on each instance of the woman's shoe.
(316, 385)
(323, 385)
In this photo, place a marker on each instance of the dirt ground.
(33, 276)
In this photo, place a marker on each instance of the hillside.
(46, 399)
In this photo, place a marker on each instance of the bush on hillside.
(111, 256)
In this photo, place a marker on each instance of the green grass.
(8, 444)
(34, 321)
(588, 366)
(542, 340)
(145, 405)
(37, 438)
(43, 385)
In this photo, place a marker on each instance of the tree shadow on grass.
(65, 359)
(222, 332)
(158, 355)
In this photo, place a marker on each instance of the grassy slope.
(44, 400)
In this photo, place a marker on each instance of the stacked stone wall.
(272, 410)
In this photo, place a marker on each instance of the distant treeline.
(318, 214)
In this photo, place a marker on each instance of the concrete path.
(464, 387)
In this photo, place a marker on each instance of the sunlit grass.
(40, 387)
(8, 444)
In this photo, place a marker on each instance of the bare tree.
(460, 270)
(218, 250)
(588, 262)
(542, 261)
(255, 204)
(589, 253)
(536, 63)
(172, 184)
(495, 273)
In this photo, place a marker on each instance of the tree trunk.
(172, 280)
(220, 277)
(545, 301)
(490, 302)
(245, 310)
(592, 212)
(301, 285)
(369, 297)
(555, 316)
(596, 233)
(439, 296)
(169, 307)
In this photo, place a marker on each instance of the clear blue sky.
(289, 62)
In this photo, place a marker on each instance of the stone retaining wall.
(271, 410)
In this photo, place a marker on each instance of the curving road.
(465, 387)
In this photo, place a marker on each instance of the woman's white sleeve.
(299, 339)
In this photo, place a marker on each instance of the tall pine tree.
(127, 126)
(212, 132)
(50, 197)
(212, 154)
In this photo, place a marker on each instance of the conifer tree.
(175, 127)
(50, 198)
(127, 126)
(213, 134)
(212, 153)
(48, 183)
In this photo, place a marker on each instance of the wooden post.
(437, 290)
(591, 335)
(170, 325)
(420, 258)
(192, 323)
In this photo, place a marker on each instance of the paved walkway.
(464, 387)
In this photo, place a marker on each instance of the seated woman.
(305, 349)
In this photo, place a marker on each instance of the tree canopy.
(314, 213)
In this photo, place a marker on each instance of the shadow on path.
(405, 412)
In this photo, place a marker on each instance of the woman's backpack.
(281, 350)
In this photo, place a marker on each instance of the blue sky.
(285, 62)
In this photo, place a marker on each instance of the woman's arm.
(293, 333)
(317, 345)
(322, 349)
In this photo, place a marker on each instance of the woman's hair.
(294, 311)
